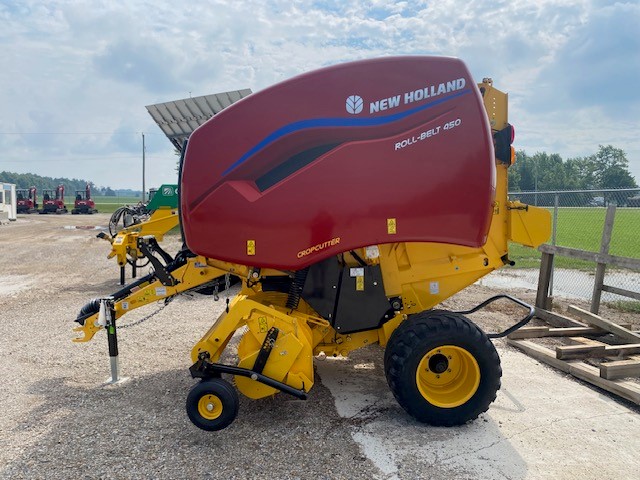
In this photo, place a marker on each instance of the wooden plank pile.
(617, 360)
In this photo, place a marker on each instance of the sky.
(76, 75)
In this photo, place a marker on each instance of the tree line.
(608, 168)
(28, 180)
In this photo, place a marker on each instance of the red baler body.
(364, 153)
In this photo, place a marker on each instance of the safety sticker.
(372, 251)
(434, 288)
(360, 284)
(125, 305)
(356, 272)
(161, 291)
(251, 247)
(391, 226)
(262, 324)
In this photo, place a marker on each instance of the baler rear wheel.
(212, 404)
(442, 369)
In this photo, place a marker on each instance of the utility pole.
(535, 181)
(143, 187)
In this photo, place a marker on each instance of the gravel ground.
(60, 420)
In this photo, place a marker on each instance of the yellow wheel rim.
(209, 407)
(448, 376)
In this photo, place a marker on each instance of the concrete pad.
(543, 425)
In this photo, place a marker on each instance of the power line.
(79, 133)
(82, 158)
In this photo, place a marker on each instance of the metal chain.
(145, 318)
(216, 297)
(227, 285)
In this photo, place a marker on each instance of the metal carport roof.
(178, 118)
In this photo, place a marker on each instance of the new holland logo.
(354, 104)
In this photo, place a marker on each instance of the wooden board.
(567, 352)
(557, 320)
(598, 321)
(612, 260)
(537, 332)
(588, 373)
(620, 369)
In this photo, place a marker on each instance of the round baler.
(349, 202)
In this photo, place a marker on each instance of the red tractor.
(53, 202)
(84, 203)
(27, 200)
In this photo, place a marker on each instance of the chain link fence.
(578, 222)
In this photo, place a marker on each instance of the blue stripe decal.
(337, 122)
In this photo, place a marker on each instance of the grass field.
(582, 228)
(110, 204)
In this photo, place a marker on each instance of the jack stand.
(134, 273)
(106, 306)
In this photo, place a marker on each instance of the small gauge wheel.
(212, 404)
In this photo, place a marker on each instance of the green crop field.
(581, 228)
(110, 204)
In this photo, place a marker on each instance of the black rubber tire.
(420, 334)
(227, 396)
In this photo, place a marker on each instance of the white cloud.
(571, 67)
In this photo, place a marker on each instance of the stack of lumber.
(618, 359)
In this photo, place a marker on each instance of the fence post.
(601, 267)
(554, 233)
(542, 297)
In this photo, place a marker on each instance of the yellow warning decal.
(251, 247)
(391, 226)
(263, 325)
(360, 283)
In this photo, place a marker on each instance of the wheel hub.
(438, 363)
(210, 407)
(448, 376)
